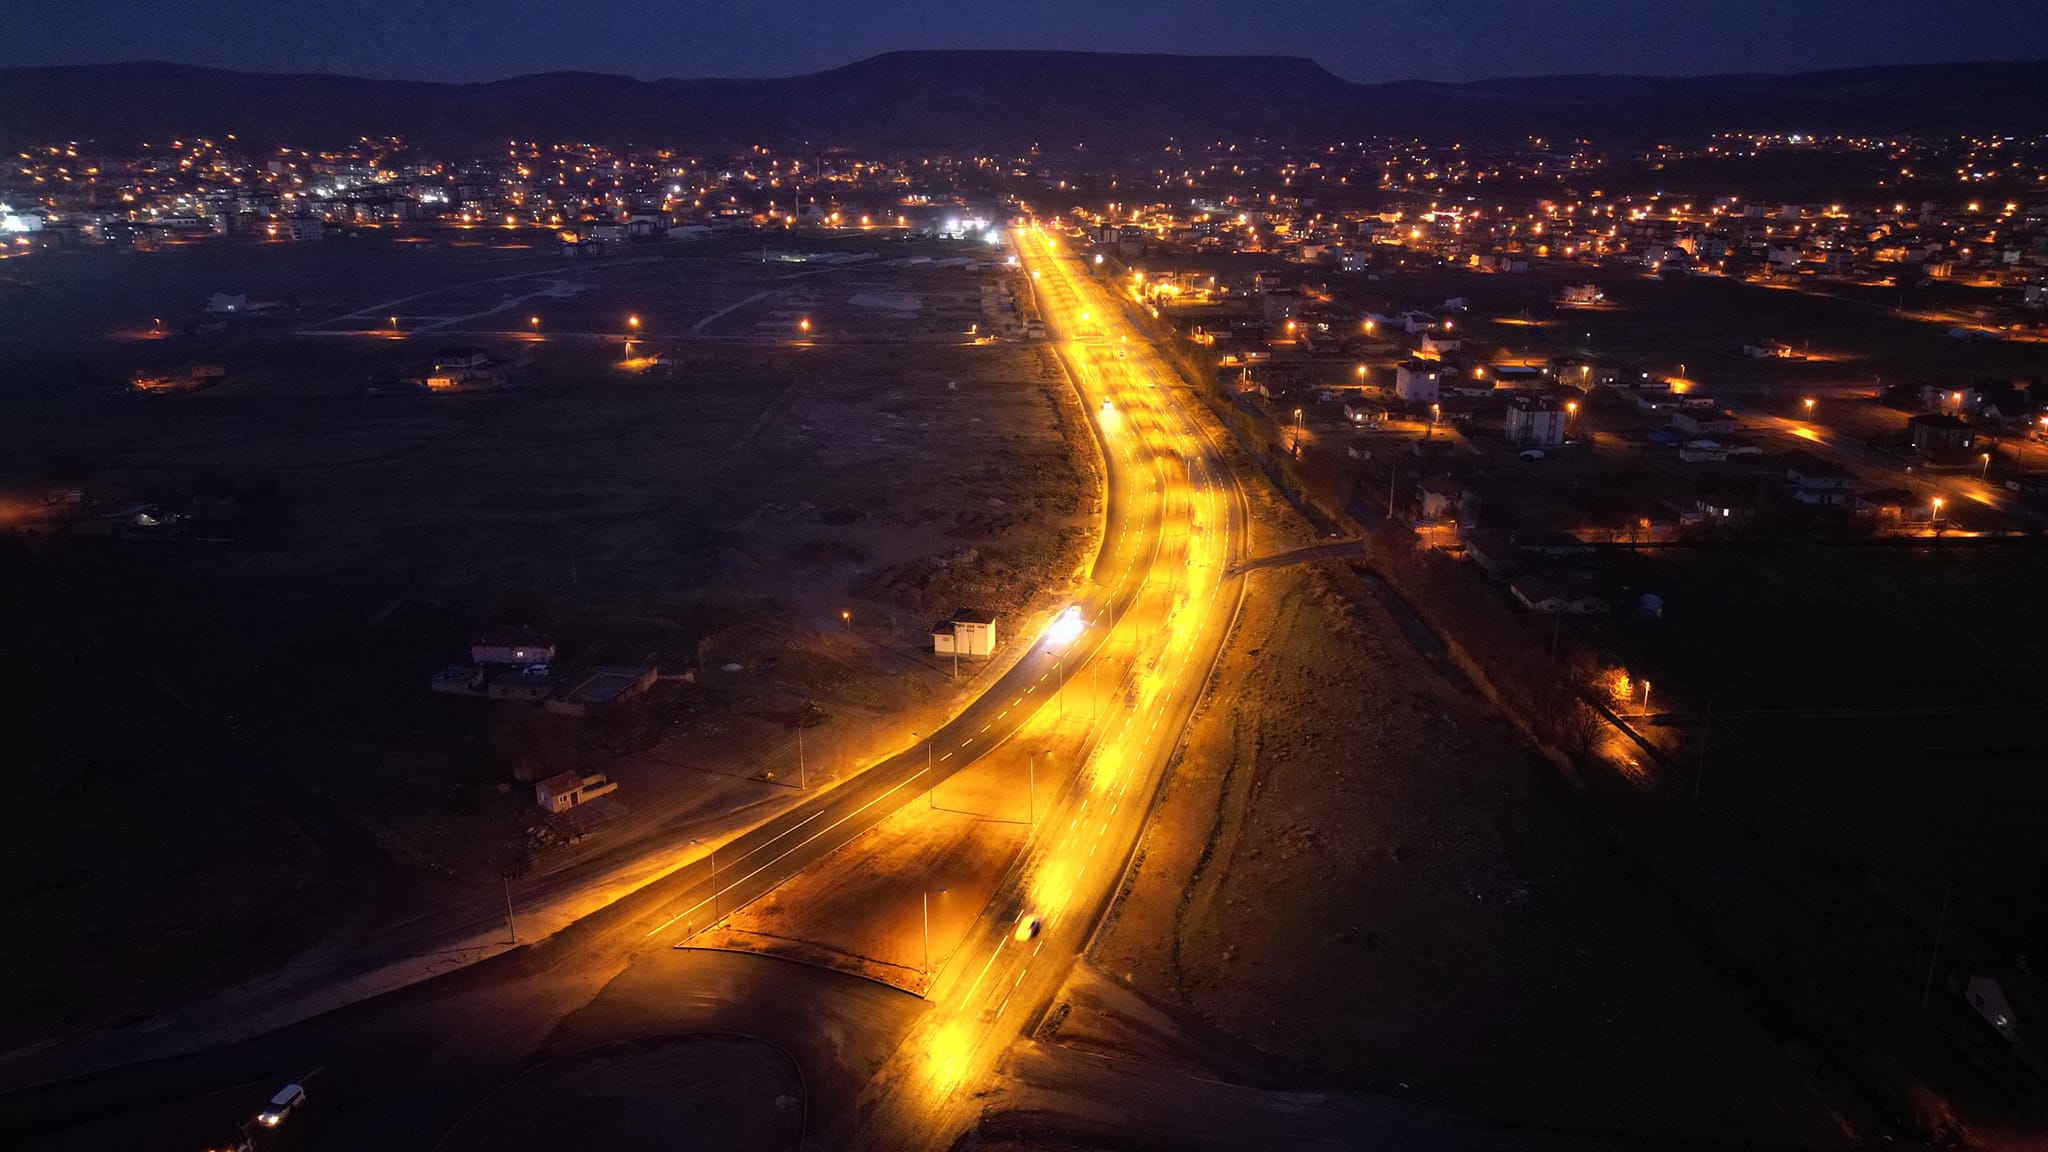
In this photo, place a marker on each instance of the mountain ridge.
(997, 97)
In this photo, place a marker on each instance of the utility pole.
(1031, 782)
(930, 785)
(803, 777)
(1940, 923)
(927, 894)
(511, 929)
(1706, 730)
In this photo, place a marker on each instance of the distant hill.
(998, 98)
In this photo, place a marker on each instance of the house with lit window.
(1419, 381)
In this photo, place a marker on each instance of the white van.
(287, 1101)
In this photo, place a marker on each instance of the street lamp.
(927, 893)
(1031, 782)
(1646, 697)
(1986, 473)
(1809, 407)
(929, 786)
(845, 618)
(1295, 448)
(804, 325)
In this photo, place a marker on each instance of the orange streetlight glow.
(804, 324)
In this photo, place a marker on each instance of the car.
(289, 1099)
(1532, 454)
(1028, 927)
(1107, 406)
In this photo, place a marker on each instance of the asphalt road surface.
(1001, 980)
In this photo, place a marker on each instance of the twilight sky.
(1364, 40)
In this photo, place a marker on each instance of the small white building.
(1535, 420)
(1418, 381)
(968, 632)
(512, 646)
(566, 790)
(1437, 344)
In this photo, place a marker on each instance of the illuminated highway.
(1018, 953)
(400, 1069)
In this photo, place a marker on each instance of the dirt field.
(707, 1092)
(139, 870)
(720, 510)
(1357, 872)
(1867, 712)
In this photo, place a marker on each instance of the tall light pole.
(927, 894)
(1809, 407)
(803, 778)
(1646, 697)
(929, 784)
(1295, 448)
(1031, 784)
(1986, 473)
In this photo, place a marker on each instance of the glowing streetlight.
(845, 618)
(1295, 448)
(804, 325)
(1436, 412)
(633, 322)
(1986, 473)
(1809, 407)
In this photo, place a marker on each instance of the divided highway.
(1005, 974)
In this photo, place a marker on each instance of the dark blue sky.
(1358, 39)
